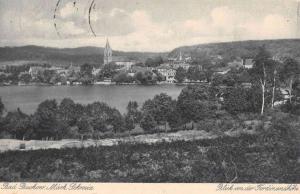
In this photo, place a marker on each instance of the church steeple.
(107, 53)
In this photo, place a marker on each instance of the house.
(236, 63)
(60, 71)
(168, 72)
(72, 70)
(96, 71)
(185, 66)
(131, 74)
(125, 64)
(248, 63)
(35, 70)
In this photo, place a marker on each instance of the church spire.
(107, 53)
(107, 46)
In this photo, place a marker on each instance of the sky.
(143, 25)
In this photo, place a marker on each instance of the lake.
(27, 98)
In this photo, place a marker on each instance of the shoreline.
(104, 84)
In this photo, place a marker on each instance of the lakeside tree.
(25, 77)
(3, 77)
(67, 111)
(2, 107)
(123, 78)
(86, 69)
(85, 128)
(17, 123)
(45, 76)
(159, 107)
(148, 123)
(180, 75)
(145, 78)
(195, 73)
(46, 119)
(196, 102)
(133, 115)
(109, 70)
(117, 121)
(86, 76)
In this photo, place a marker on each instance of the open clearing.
(13, 144)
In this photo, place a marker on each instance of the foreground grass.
(227, 159)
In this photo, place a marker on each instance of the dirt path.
(12, 144)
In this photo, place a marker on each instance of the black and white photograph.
(150, 91)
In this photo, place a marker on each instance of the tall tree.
(195, 103)
(195, 73)
(17, 123)
(86, 69)
(148, 123)
(133, 115)
(67, 111)
(3, 77)
(259, 72)
(2, 108)
(180, 75)
(289, 74)
(25, 77)
(46, 118)
(273, 76)
(85, 128)
(159, 107)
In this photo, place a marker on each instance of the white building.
(185, 66)
(168, 73)
(95, 71)
(237, 63)
(34, 71)
(125, 64)
(248, 63)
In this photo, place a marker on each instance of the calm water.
(27, 98)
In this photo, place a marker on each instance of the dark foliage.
(224, 159)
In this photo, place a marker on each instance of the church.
(118, 60)
(107, 54)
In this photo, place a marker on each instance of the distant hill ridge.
(64, 56)
(94, 55)
(279, 47)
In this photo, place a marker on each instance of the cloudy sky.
(143, 25)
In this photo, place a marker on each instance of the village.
(181, 69)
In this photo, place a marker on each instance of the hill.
(244, 49)
(94, 55)
(64, 56)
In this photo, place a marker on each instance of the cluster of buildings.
(168, 69)
(237, 63)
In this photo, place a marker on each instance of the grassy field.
(224, 159)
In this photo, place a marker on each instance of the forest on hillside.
(243, 49)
